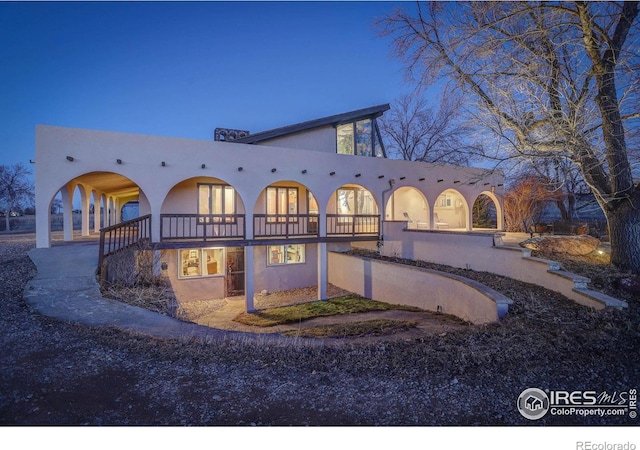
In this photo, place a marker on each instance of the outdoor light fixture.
(440, 180)
(239, 169)
(421, 179)
(163, 163)
(203, 166)
(119, 161)
(332, 173)
(70, 158)
(273, 170)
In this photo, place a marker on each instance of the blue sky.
(183, 69)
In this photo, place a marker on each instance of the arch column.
(85, 199)
(67, 212)
(249, 288)
(322, 270)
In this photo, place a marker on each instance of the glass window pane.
(203, 199)
(214, 261)
(276, 254)
(363, 137)
(282, 201)
(189, 263)
(293, 201)
(313, 204)
(272, 201)
(295, 254)
(216, 200)
(229, 200)
(345, 139)
(366, 204)
(346, 199)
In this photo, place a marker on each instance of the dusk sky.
(183, 69)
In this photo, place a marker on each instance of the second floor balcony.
(224, 227)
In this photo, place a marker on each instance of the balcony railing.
(123, 235)
(285, 225)
(201, 227)
(352, 225)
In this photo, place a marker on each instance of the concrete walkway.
(66, 288)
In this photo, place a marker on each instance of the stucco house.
(246, 212)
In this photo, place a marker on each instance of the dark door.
(235, 271)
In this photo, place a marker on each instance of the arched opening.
(410, 205)
(484, 213)
(450, 211)
(352, 210)
(78, 207)
(286, 209)
(202, 208)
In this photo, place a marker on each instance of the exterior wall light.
(70, 158)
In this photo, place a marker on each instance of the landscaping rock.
(630, 284)
(571, 245)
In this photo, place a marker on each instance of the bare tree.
(15, 189)
(525, 200)
(414, 131)
(551, 79)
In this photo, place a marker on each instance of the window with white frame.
(445, 201)
(285, 254)
(200, 262)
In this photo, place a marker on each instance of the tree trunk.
(624, 235)
(8, 225)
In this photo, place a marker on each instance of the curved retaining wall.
(415, 286)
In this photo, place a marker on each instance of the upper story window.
(217, 200)
(360, 137)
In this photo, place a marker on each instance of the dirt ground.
(58, 373)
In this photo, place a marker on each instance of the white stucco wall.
(285, 276)
(426, 289)
(476, 251)
(141, 156)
